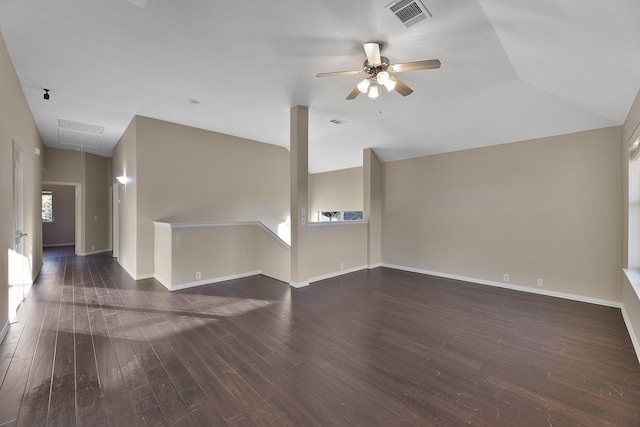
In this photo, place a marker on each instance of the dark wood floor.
(381, 347)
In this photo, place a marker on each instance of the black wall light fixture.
(46, 94)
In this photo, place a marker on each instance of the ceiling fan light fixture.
(363, 86)
(373, 91)
(390, 85)
(382, 77)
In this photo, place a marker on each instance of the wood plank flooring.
(382, 347)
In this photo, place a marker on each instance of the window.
(352, 216)
(328, 216)
(339, 216)
(47, 206)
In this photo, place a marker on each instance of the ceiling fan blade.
(339, 73)
(428, 64)
(373, 53)
(401, 88)
(353, 94)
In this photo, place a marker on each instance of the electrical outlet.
(341, 265)
(198, 275)
(505, 277)
(540, 283)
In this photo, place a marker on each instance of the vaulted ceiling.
(511, 70)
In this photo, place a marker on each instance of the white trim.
(115, 218)
(211, 281)
(78, 210)
(337, 273)
(546, 292)
(634, 279)
(222, 224)
(372, 266)
(4, 332)
(165, 224)
(54, 245)
(130, 273)
(101, 251)
(632, 334)
(338, 223)
(298, 284)
(633, 276)
(165, 283)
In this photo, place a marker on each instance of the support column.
(372, 170)
(299, 147)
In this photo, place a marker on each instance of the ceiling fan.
(379, 72)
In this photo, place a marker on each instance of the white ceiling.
(511, 70)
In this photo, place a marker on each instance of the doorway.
(56, 238)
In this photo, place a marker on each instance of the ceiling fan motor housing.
(373, 70)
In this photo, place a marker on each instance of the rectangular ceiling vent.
(78, 139)
(410, 12)
(140, 3)
(80, 127)
(337, 121)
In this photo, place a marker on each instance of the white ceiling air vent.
(140, 3)
(79, 134)
(410, 12)
(337, 121)
(80, 127)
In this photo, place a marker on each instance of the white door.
(18, 264)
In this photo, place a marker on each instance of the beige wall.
(184, 174)
(335, 248)
(96, 204)
(631, 221)
(163, 253)
(62, 166)
(546, 209)
(62, 230)
(91, 173)
(17, 124)
(631, 189)
(218, 251)
(125, 165)
(339, 190)
(373, 185)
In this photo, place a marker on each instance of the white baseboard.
(163, 281)
(632, 334)
(372, 266)
(144, 276)
(298, 284)
(55, 245)
(124, 267)
(101, 251)
(539, 291)
(337, 273)
(210, 281)
(4, 331)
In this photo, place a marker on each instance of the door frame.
(115, 219)
(17, 274)
(78, 212)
